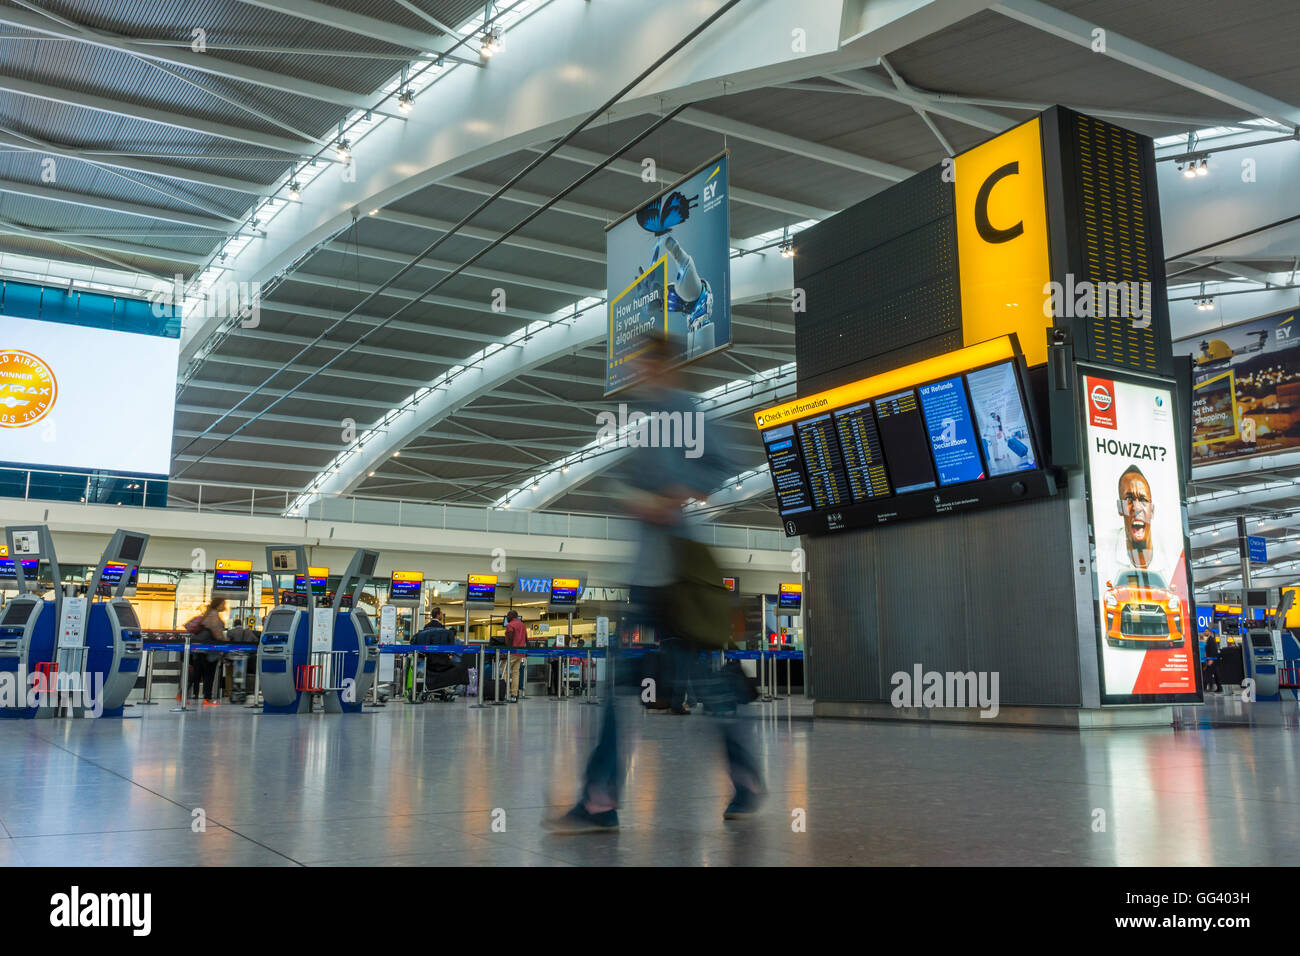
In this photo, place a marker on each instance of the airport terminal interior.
(610, 433)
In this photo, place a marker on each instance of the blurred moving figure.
(678, 591)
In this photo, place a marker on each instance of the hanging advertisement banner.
(1146, 641)
(668, 274)
(1246, 388)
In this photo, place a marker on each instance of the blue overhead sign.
(1258, 548)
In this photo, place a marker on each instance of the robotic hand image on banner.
(677, 285)
(1147, 642)
(114, 647)
(29, 632)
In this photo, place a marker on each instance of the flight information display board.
(946, 434)
(232, 577)
(320, 578)
(405, 587)
(564, 592)
(785, 464)
(112, 576)
(7, 570)
(481, 589)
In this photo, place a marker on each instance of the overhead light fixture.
(1203, 169)
(373, 211)
(295, 191)
(536, 485)
(564, 469)
(371, 475)
(406, 101)
(1189, 171)
(343, 150)
(397, 454)
(491, 42)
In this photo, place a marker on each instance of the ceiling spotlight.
(397, 454)
(1189, 171)
(564, 469)
(343, 149)
(373, 211)
(406, 101)
(1203, 169)
(295, 191)
(738, 485)
(372, 474)
(491, 42)
(536, 485)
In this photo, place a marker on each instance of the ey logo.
(28, 388)
(1002, 242)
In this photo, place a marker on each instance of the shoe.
(581, 820)
(513, 700)
(744, 804)
(211, 703)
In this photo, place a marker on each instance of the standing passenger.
(516, 638)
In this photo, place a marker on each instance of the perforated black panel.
(880, 279)
(1115, 203)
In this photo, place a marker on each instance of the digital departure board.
(790, 597)
(783, 460)
(950, 433)
(863, 459)
(564, 592)
(823, 463)
(903, 437)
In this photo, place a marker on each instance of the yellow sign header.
(408, 576)
(941, 366)
(564, 583)
(483, 579)
(1002, 242)
(225, 565)
(792, 589)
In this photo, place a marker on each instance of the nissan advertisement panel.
(1147, 634)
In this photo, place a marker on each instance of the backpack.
(194, 624)
(698, 606)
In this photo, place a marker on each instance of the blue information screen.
(952, 436)
(30, 567)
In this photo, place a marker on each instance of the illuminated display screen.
(232, 577)
(7, 571)
(113, 575)
(1000, 419)
(564, 591)
(406, 586)
(887, 447)
(790, 597)
(320, 578)
(787, 470)
(822, 461)
(952, 439)
(481, 589)
(863, 459)
(902, 434)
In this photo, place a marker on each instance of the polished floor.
(424, 785)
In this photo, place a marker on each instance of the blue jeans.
(605, 772)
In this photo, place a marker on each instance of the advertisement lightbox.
(57, 381)
(1147, 646)
(668, 274)
(1246, 388)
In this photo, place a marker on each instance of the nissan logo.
(1100, 397)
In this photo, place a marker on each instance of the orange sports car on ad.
(1143, 612)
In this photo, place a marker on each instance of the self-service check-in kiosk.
(1261, 649)
(309, 647)
(114, 645)
(285, 648)
(354, 645)
(29, 630)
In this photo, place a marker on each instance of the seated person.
(435, 631)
